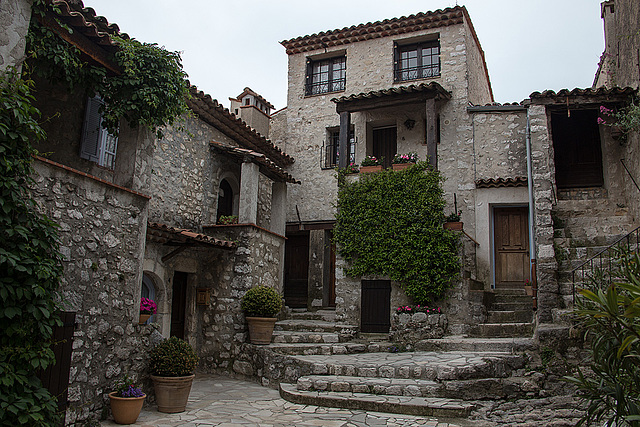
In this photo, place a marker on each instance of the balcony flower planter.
(401, 166)
(370, 169)
(143, 318)
(453, 225)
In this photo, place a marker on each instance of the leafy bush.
(261, 301)
(173, 357)
(390, 224)
(611, 318)
(30, 266)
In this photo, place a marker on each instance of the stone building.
(526, 176)
(140, 216)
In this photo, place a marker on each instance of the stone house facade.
(420, 84)
(141, 216)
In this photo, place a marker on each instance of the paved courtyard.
(221, 401)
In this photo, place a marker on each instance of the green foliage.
(261, 301)
(173, 357)
(390, 224)
(628, 118)
(611, 318)
(228, 219)
(30, 266)
(151, 91)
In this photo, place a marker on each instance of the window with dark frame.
(326, 75)
(331, 150)
(417, 61)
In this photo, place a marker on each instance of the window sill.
(323, 93)
(415, 80)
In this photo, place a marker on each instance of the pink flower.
(601, 121)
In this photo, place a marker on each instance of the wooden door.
(511, 241)
(385, 145)
(56, 377)
(178, 304)
(375, 306)
(576, 144)
(296, 270)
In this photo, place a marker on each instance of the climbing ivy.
(151, 91)
(30, 267)
(390, 224)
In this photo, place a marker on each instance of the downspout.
(532, 245)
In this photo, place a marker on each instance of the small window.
(326, 75)
(97, 144)
(417, 61)
(247, 101)
(330, 153)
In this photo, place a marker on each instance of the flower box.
(453, 225)
(401, 166)
(370, 169)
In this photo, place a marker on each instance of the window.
(417, 61)
(330, 152)
(97, 144)
(326, 75)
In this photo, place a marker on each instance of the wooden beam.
(343, 145)
(175, 252)
(382, 102)
(86, 46)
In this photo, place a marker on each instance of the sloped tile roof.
(165, 233)
(372, 30)
(212, 112)
(249, 91)
(583, 92)
(518, 181)
(432, 87)
(272, 169)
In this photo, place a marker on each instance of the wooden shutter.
(91, 132)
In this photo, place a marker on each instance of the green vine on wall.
(390, 224)
(30, 266)
(151, 91)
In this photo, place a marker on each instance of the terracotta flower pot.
(453, 225)
(143, 318)
(125, 410)
(172, 393)
(261, 329)
(370, 169)
(401, 166)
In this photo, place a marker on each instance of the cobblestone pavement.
(221, 401)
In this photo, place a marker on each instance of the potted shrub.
(371, 164)
(147, 309)
(172, 364)
(261, 304)
(452, 222)
(403, 161)
(126, 401)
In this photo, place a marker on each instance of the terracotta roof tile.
(518, 181)
(271, 168)
(248, 90)
(583, 92)
(167, 233)
(217, 115)
(399, 90)
(372, 30)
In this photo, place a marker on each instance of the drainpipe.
(532, 245)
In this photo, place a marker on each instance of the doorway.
(178, 304)
(511, 243)
(385, 144)
(576, 143)
(296, 270)
(375, 306)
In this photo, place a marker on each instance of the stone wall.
(102, 231)
(479, 85)
(14, 21)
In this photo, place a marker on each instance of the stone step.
(515, 316)
(326, 315)
(323, 349)
(511, 298)
(509, 291)
(513, 306)
(302, 325)
(475, 389)
(409, 405)
(305, 337)
(471, 344)
(416, 365)
(502, 330)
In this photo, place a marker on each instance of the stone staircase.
(509, 315)
(585, 222)
(327, 364)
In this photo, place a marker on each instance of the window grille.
(417, 61)
(327, 75)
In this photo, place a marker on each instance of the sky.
(229, 45)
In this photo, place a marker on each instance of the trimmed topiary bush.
(173, 357)
(261, 301)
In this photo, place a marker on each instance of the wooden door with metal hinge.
(511, 242)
